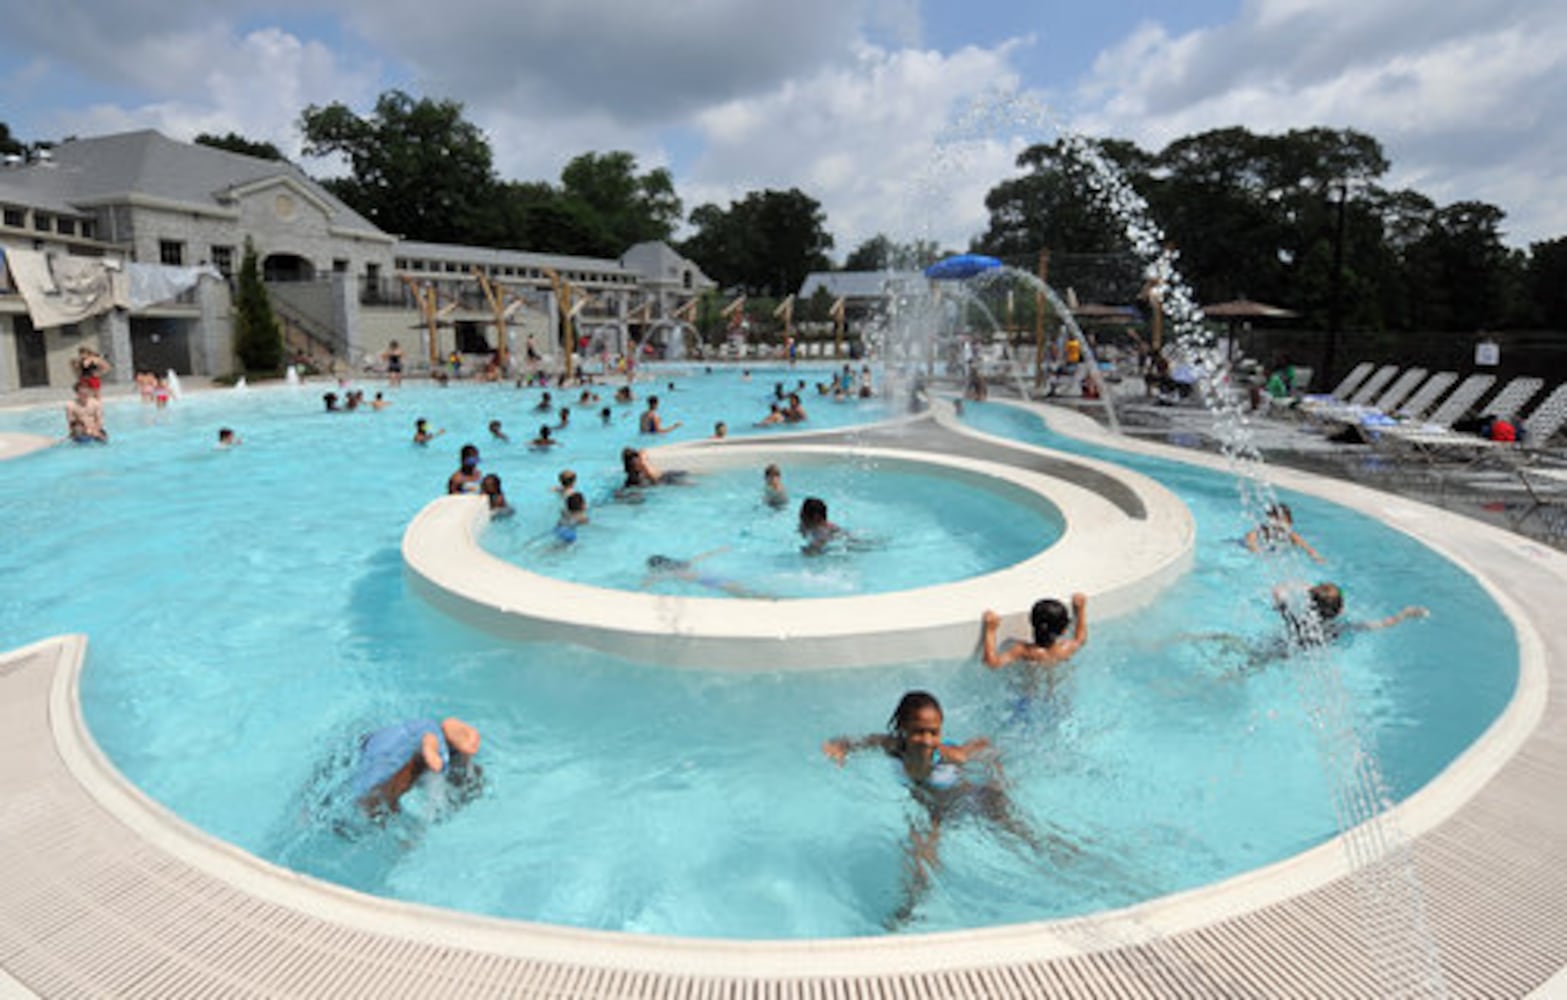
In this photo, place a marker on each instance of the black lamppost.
(1336, 302)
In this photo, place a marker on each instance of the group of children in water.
(948, 780)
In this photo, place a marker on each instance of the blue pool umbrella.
(963, 265)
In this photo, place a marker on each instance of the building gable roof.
(149, 165)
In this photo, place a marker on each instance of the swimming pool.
(903, 529)
(248, 615)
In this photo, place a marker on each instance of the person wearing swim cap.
(393, 758)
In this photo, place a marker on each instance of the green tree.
(419, 168)
(1053, 205)
(9, 145)
(882, 253)
(1458, 270)
(765, 244)
(236, 143)
(257, 341)
(1547, 282)
(626, 208)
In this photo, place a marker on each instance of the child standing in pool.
(773, 492)
(490, 488)
(934, 770)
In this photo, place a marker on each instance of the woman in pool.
(467, 477)
(1049, 619)
(640, 472)
(1278, 532)
(937, 779)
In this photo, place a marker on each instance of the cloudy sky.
(896, 115)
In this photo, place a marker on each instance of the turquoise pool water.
(905, 529)
(249, 619)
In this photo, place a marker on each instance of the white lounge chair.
(1425, 397)
(1373, 410)
(1348, 384)
(1537, 429)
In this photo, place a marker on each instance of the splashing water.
(174, 384)
(291, 377)
(1392, 910)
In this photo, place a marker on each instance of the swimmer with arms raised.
(1049, 620)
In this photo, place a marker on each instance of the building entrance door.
(32, 356)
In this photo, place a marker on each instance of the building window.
(15, 218)
(89, 229)
(43, 222)
(171, 252)
(339, 265)
(223, 260)
(65, 227)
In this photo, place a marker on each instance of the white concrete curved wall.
(1119, 561)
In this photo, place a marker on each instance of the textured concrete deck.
(103, 893)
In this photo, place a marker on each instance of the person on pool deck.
(934, 771)
(84, 417)
(467, 477)
(391, 759)
(1049, 619)
(651, 422)
(1277, 532)
(490, 488)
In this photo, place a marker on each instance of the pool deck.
(105, 893)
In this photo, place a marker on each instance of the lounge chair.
(1370, 410)
(1348, 384)
(1425, 397)
(1457, 405)
(1362, 396)
(1537, 429)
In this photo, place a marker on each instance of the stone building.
(342, 288)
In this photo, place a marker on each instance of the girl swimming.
(937, 778)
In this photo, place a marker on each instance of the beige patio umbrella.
(1237, 310)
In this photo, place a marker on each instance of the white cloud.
(255, 85)
(1464, 98)
(866, 140)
